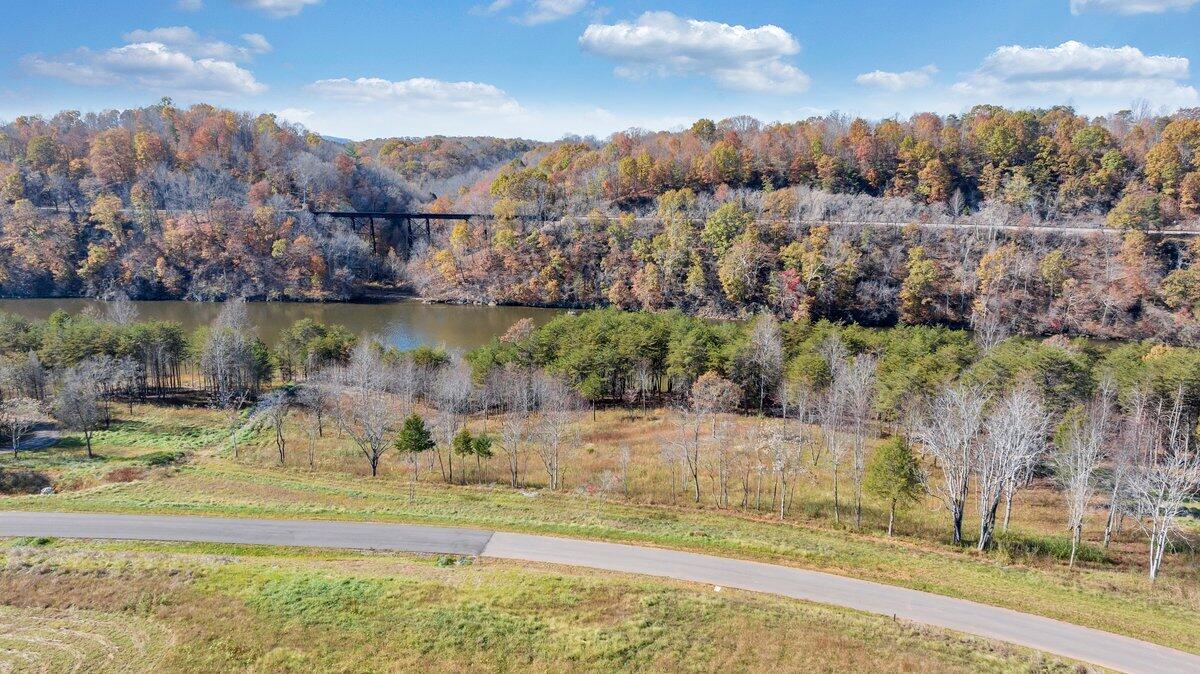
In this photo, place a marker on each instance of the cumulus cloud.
(735, 57)
(1131, 6)
(1090, 77)
(278, 8)
(188, 41)
(419, 93)
(892, 81)
(173, 58)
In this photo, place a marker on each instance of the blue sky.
(545, 68)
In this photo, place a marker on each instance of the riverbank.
(400, 321)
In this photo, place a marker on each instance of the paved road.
(305, 533)
(1072, 641)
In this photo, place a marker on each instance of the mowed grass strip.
(292, 610)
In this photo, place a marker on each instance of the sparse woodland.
(756, 417)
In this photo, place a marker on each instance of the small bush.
(164, 458)
(33, 541)
(1050, 547)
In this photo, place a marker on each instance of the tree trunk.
(837, 513)
(891, 516)
(987, 527)
(1008, 499)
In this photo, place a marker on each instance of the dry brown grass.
(306, 611)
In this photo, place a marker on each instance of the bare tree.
(1079, 455)
(77, 405)
(831, 414)
(1014, 436)
(520, 399)
(764, 355)
(18, 416)
(118, 309)
(643, 381)
(362, 406)
(272, 411)
(711, 395)
(452, 394)
(556, 413)
(859, 383)
(1136, 434)
(1163, 481)
(788, 440)
(314, 397)
(832, 402)
(227, 362)
(24, 377)
(948, 432)
(682, 449)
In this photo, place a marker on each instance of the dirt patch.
(23, 481)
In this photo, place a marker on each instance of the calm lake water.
(405, 324)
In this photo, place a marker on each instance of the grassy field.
(126, 607)
(174, 460)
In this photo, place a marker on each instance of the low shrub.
(1016, 546)
(164, 458)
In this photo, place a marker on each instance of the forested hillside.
(723, 218)
(204, 202)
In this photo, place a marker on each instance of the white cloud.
(162, 59)
(546, 11)
(278, 8)
(736, 57)
(1131, 6)
(190, 5)
(187, 41)
(536, 12)
(420, 93)
(891, 81)
(296, 115)
(1094, 78)
(257, 42)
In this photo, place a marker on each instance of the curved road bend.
(1053, 636)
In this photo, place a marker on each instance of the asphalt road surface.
(1053, 636)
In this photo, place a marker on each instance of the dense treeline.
(741, 216)
(443, 163)
(1048, 163)
(722, 219)
(202, 203)
(729, 264)
(612, 356)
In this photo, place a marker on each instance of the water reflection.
(404, 324)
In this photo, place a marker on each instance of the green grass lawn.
(206, 480)
(122, 607)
